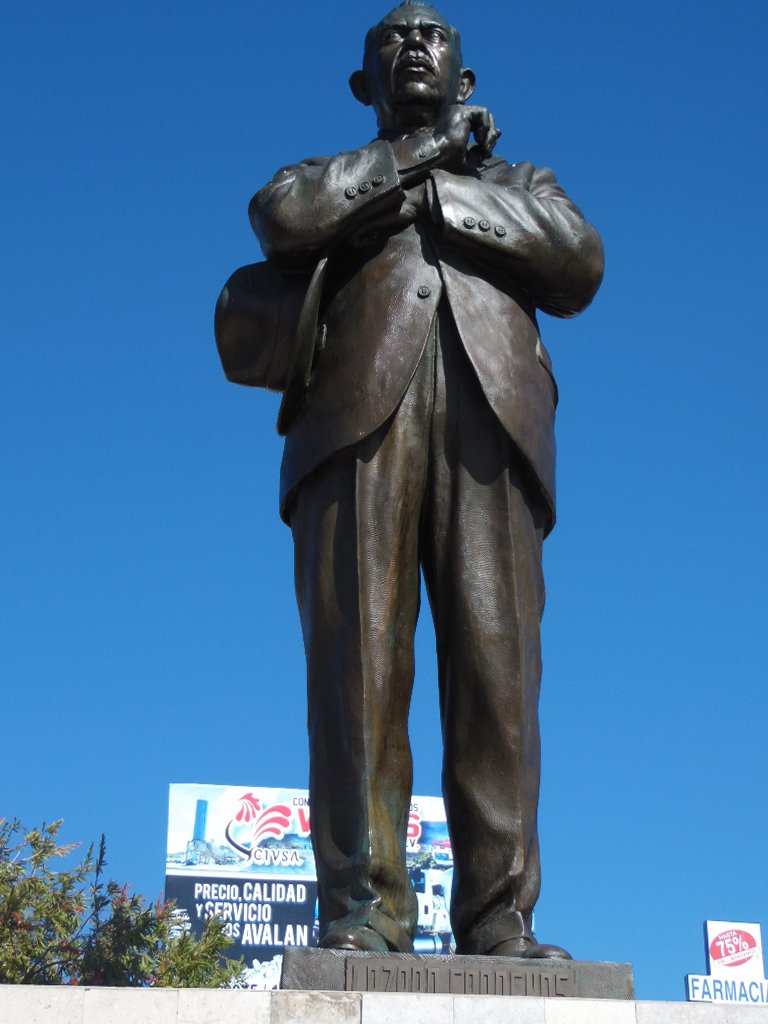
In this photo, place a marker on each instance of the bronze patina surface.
(418, 415)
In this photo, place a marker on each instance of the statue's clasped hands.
(453, 129)
(451, 135)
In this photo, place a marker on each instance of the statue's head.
(411, 68)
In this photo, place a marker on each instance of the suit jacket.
(496, 242)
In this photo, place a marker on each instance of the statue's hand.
(415, 203)
(452, 133)
(413, 206)
(485, 132)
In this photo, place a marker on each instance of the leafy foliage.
(70, 926)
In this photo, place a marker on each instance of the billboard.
(244, 854)
(734, 953)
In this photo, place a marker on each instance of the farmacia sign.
(734, 952)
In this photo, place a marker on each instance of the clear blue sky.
(150, 633)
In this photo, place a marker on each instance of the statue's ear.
(358, 83)
(466, 84)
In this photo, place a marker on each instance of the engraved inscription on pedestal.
(393, 974)
(338, 969)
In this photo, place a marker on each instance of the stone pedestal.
(334, 970)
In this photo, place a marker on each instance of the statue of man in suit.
(419, 425)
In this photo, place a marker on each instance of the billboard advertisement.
(734, 953)
(244, 854)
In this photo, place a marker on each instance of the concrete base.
(27, 1004)
(342, 970)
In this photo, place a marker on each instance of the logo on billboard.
(735, 961)
(245, 856)
(251, 826)
(732, 948)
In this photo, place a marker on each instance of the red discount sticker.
(732, 948)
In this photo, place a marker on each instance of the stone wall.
(53, 1005)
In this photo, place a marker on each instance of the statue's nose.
(414, 38)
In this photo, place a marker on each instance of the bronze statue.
(397, 311)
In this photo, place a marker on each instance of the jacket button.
(378, 179)
(500, 230)
(424, 291)
(484, 225)
(469, 222)
(364, 186)
(350, 191)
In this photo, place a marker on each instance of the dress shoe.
(362, 939)
(526, 946)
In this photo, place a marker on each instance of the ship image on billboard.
(244, 854)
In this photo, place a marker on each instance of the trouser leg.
(355, 528)
(482, 532)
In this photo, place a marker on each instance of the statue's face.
(412, 67)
